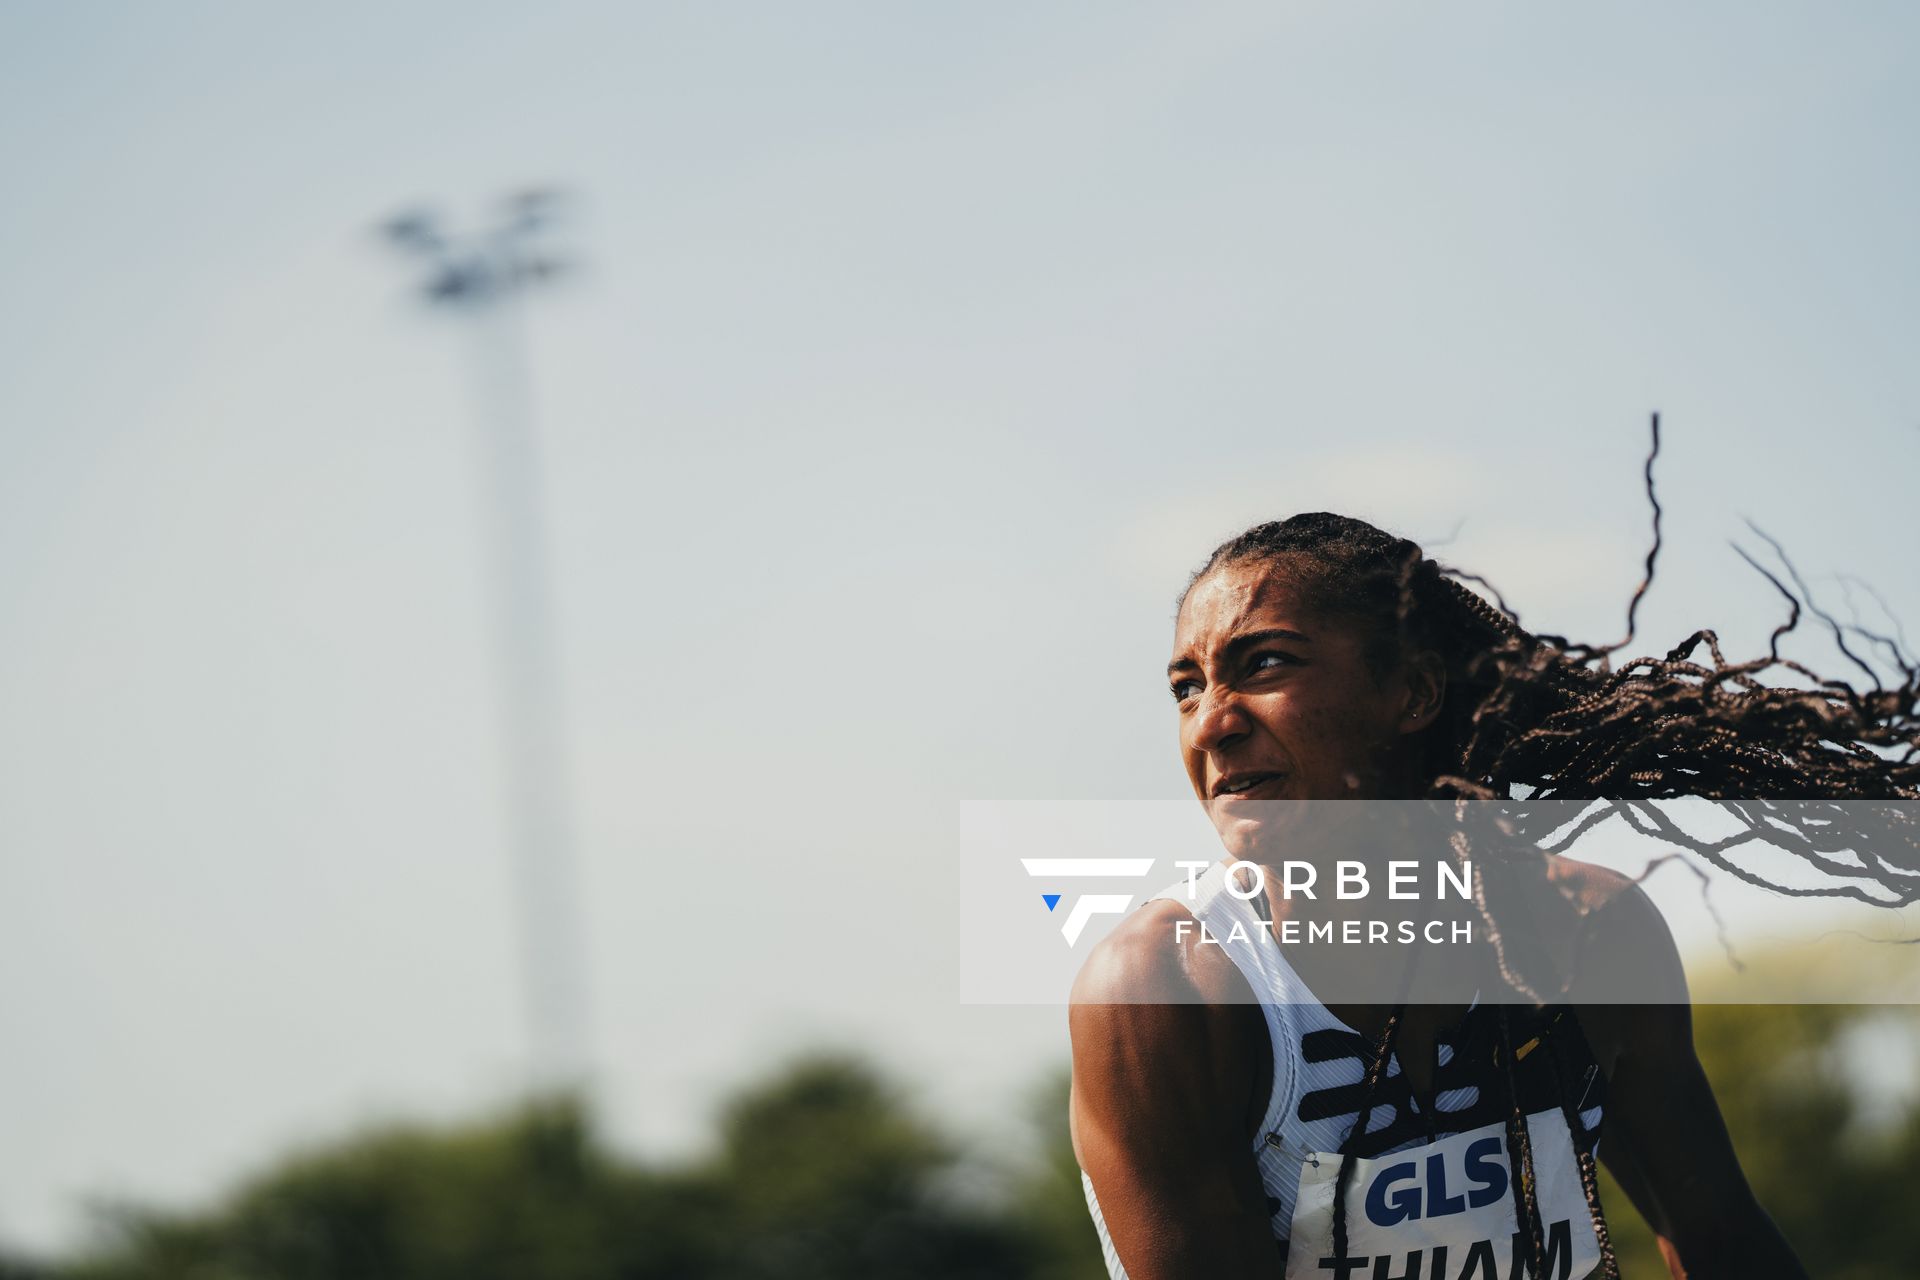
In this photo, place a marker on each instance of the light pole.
(483, 276)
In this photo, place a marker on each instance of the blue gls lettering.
(1386, 1210)
(1396, 1194)
(1487, 1171)
(1439, 1203)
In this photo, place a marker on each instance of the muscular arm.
(1665, 1142)
(1666, 1136)
(1161, 1092)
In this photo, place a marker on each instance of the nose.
(1218, 722)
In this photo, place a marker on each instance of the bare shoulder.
(1151, 959)
(1588, 885)
(1627, 973)
(1614, 912)
(1164, 1045)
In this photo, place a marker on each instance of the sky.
(911, 358)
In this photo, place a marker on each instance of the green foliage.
(824, 1171)
(523, 1196)
(1050, 1205)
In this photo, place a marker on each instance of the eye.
(1184, 689)
(1272, 658)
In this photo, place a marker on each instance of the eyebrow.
(1240, 644)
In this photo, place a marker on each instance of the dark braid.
(1370, 1086)
(1526, 1185)
(1583, 1158)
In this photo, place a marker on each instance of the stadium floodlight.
(483, 274)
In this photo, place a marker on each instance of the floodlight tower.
(483, 276)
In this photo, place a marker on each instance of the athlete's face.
(1277, 702)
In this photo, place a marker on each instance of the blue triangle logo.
(1051, 899)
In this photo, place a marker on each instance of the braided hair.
(1534, 717)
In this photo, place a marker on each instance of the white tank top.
(1394, 1207)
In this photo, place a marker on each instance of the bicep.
(1667, 1134)
(1666, 1141)
(1159, 1103)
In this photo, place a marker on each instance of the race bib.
(1445, 1211)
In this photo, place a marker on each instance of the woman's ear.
(1426, 679)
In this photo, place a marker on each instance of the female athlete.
(1230, 1124)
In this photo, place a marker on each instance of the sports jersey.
(1430, 1195)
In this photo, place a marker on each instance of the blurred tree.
(12, 1268)
(1049, 1205)
(824, 1171)
(528, 1195)
(827, 1174)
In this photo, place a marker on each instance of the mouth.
(1250, 782)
